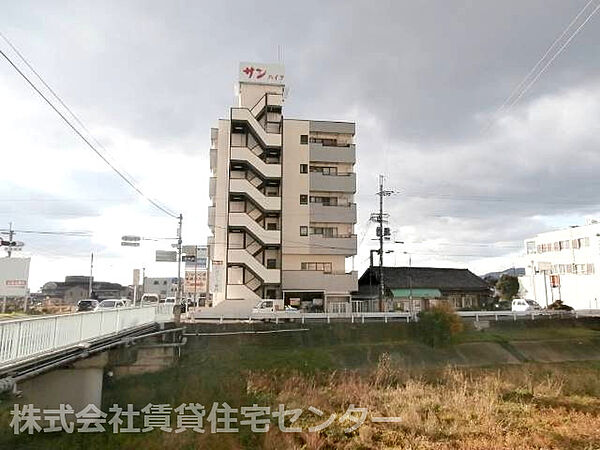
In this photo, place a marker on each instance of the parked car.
(111, 303)
(87, 304)
(521, 305)
(150, 299)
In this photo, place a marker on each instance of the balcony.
(325, 153)
(212, 213)
(333, 214)
(333, 183)
(243, 220)
(301, 279)
(242, 257)
(344, 245)
(246, 155)
(267, 139)
(212, 187)
(243, 186)
(213, 160)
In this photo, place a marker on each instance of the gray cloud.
(420, 78)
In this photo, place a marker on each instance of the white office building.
(283, 211)
(564, 265)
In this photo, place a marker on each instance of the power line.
(89, 144)
(517, 89)
(56, 233)
(560, 50)
(526, 83)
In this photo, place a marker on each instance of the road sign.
(130, 238)
(136, 277)
(166, 256)
(130, 244)
(11, 244)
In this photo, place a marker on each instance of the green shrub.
(438, 325)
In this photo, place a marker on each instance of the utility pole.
(380, 219)
(179, 284)
(10, 238)
(91, 275)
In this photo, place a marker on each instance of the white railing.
(23, 339)
(357, 317)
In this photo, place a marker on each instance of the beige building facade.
(283, 212)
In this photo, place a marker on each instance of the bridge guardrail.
(386, 316)
(21, 339)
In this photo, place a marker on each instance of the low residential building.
(76, 287)
(425, 286)
(161, 286)
(562, 265)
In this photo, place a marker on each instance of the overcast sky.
(421, 79)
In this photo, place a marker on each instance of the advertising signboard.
(195, 282)
(14, 276)
(259, 73)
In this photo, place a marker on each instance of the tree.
(507, 286)
(438, 325)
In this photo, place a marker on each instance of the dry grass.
(454, 409)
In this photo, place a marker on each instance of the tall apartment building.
(283, 211)
(564, 265)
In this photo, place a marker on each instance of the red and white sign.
(14, 273)
(261, 73)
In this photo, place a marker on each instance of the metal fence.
(22, 339)
(360, 317)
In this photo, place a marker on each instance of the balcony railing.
(329, 282)
(334, 154)
(333, 183)
(333, 214)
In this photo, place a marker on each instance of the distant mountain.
(518, 271)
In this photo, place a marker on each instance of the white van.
(521, 305)
(266, 306)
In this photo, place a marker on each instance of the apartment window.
(304, 138)
(155, 283)
(303, 168)
(271, 263)
(324, 231)
(325, 201)
(271, 294)
(303, 230)
(324, 170)
(303, 199)
(324, 267)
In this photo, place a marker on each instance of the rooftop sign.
(259, 73)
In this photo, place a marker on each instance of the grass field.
(530, 405)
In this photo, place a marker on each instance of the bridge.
(35, 347)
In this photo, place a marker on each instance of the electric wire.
(86, 140)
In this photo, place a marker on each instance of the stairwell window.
(303, 199)
(303, 168)
(271, 263)
(303, 230)
(304, 138)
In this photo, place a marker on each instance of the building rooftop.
(445, 279)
